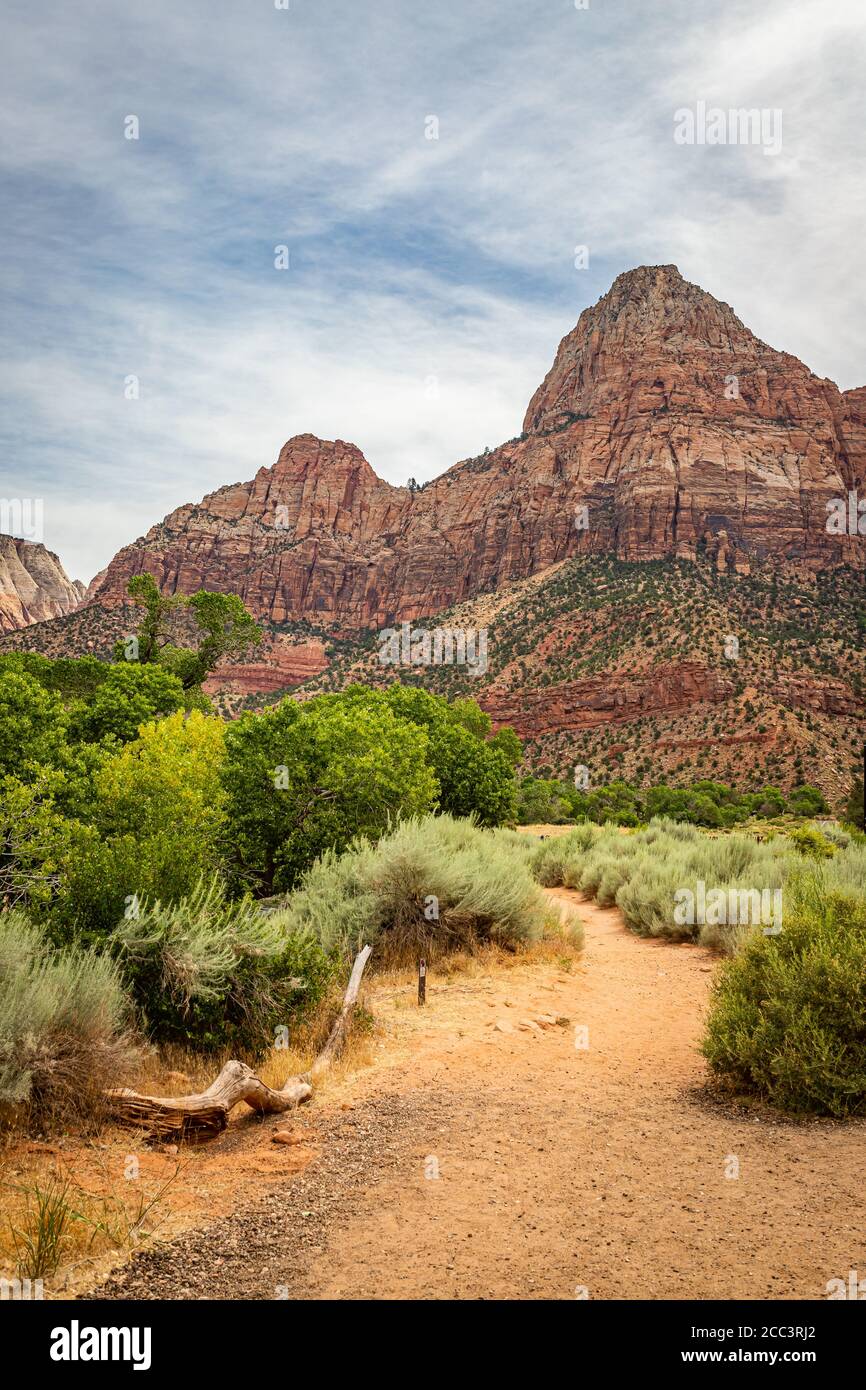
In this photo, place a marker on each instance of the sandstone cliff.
(669, 490)
(663, 429)
(33, 585)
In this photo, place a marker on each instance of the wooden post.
(422, 982)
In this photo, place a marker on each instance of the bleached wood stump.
(207, 1114)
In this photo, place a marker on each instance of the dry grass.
(66, 1208)
(560, 945)
(545, 830)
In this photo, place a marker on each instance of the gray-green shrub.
(641, 871)
(788, 1015)
(206, 972)
(433, 884)
(64, 1024)
(550, 859)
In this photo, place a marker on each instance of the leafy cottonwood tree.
(303, 778)
(475, 775)
(129, 696)
(508, 742)
(225, 627)
(33, 723)
(167, 779)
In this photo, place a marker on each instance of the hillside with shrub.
(783, 703)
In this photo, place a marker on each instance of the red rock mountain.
(663, 429)
(33, 585)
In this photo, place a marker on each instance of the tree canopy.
(225, 629)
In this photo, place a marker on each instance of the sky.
(431, 170)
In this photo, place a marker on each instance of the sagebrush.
(788, 1016)
(434, 884)
(207, 972)
(64, 1024)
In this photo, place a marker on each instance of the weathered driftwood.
(207, 1114)
(337, 1034)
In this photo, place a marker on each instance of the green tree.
(613, 802)
(807, 801)
(33, 723)
(471, 716)
(474, 777)
(541, 802)
(70, 677)
(769, 801)
(37, 842)
(485, 785)
(130, 695)
(157, 825)
(854, 805)
(168, 780)
(408, 702)
(509, 743)
(703, 810)
(225, 629)
(152, 631)
(303, 778)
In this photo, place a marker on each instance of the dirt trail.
(560, 1168)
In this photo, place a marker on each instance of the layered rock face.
(312, 537)
(713, 437)
(280, 665)
(33, 585)
(585, 704)
(663, 429)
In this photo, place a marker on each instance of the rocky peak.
(664, 429)
(654, 303)
(655, 329)
(33, 585)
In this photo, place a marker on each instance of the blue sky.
(430, 281)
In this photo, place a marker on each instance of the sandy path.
(559, 1168)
